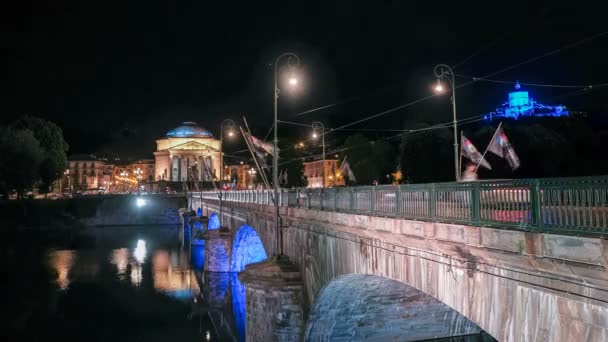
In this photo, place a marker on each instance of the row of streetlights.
(441, 71)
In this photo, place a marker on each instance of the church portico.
(187, 153)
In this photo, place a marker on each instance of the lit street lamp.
(251, 173)
(123, 175)
(293, 81)
(138, 174)
(445, 72)
(316, 126)
(230, 127)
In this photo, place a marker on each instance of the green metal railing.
(557, 205)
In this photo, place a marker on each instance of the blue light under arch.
(214, 222)
(247, 248)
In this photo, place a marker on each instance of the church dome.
(189, 129)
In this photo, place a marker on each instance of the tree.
(20, 158)
(294, 166)
(54, 148)
(427, 156)
(369, 160)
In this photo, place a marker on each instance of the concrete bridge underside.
(517, 286)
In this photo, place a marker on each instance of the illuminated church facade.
(187, 153)
(521, 104)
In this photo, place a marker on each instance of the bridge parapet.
(572, 206)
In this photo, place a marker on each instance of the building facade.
(240, 174)
(86, 173)
(521, 104)
(314, 173)
(187, 152)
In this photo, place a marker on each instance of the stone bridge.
(372, 277)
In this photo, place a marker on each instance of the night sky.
(117, 75)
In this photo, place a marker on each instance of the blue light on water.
(198, 256)
(246, 249)
(217, 286)
(199, 212)
(239, 307)
(214, 222)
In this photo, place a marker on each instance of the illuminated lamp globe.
(439, 87)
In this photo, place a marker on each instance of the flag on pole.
(260, 144)
(347, 171)
(283, 177)
(468, 150)
(500, 146)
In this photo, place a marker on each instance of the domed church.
(180, 154)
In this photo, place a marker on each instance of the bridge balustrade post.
(372, 199)
(351, 199)
(432, 200)
(308, 192)
(321, 194)
(475, 204)
(535, 204)
(398, 200)
(335, 191)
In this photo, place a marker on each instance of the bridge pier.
(274, 292)
(218, 250)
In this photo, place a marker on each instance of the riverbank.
(106, 210)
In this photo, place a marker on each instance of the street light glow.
(314, 135)
(293, 81)
(140, 202)
(439, 87)
(230, 133)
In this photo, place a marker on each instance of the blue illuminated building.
(189, 129)
(520, 104)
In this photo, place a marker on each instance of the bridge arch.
(247, 248)
(214, 221)
(362, 306)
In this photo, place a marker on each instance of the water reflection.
(61, 262)
(145, 285)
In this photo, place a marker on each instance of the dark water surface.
(116, 284)
(142, 283)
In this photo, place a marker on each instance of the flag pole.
(460, 159)
(255, 160)
(486, 151)
(261, 170)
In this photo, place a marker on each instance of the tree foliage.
(428, 156)
(53, 146)
(294, 166)
(32, 152)
(20, 158)
(370, 160)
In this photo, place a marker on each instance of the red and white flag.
(500, 146)
(468, 150)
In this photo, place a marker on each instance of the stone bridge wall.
(516, 286)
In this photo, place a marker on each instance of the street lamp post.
(317, 125)
(275, 157)
(138, 172)
(444, 71)
(231, 125)
(251, 176)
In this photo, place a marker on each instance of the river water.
(119, 284)
(143, 283)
